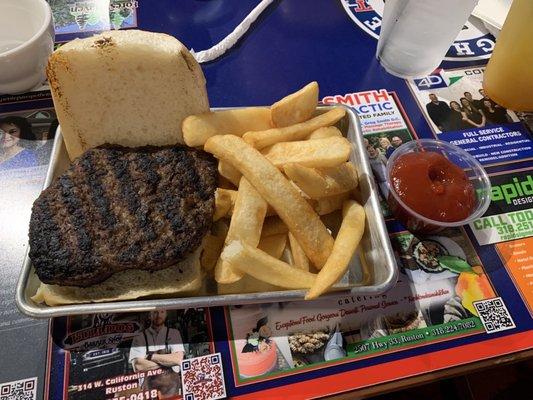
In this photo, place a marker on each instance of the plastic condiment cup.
(417, 223)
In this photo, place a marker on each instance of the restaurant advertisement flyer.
(458, 111)
(24, 158)
(463, 294)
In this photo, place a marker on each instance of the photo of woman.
(26, 139)
(16, 140)
(474, 117)
(457, 118)
(385, 147)
(494, 113)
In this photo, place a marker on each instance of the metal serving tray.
(372, 272)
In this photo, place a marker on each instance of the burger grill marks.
(162, 207)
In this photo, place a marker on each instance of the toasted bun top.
(131, 88)
(127, 40)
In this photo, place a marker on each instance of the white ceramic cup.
(26, 41)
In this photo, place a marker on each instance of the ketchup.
(432, 186)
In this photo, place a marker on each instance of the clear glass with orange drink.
(508, 78)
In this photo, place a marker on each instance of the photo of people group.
(456, 101)
(465, 112)
(26, 138)
(379, 147)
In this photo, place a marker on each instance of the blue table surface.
(293, 42)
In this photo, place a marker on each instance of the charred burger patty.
(119, 208)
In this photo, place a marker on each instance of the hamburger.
(128, 217)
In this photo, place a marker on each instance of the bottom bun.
(183, 279)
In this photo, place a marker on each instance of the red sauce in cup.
(432, 186)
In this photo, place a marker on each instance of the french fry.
(297, 214)
(270, 211)
(212, 245)
(326, 205)
(318, 153)
(324, 132)
(346, 242)
(246, 223)
(273, 245)
(229, 172)
(198, 128)
(296, 107)
(264, 267)
(224, 201)
(300, 259)
(273, 226)
(247, 284)
(262, 139)
(321, 182)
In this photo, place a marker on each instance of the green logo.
(510, 191)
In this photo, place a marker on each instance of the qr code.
(494, 315)
(24, 389)
(202, 378)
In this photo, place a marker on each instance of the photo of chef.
(158, 347)
(133, 353)
(461, 103)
